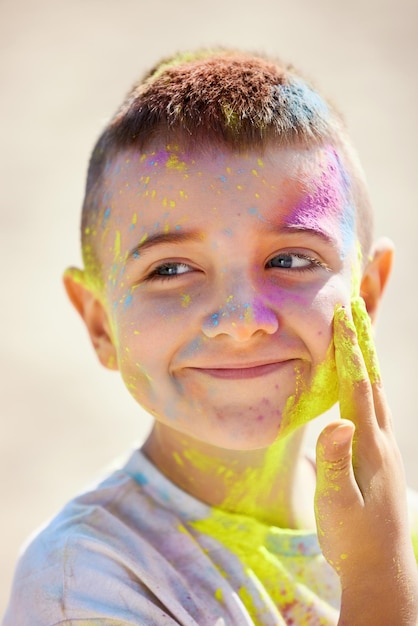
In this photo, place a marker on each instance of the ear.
(93, 314)
(376, 274)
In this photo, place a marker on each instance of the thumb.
(336, 486)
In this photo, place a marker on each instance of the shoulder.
(125, 553)
(90, 560)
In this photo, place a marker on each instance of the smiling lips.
(240, 372)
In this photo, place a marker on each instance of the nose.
(241, 319)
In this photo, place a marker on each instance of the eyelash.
(154, 275)
(314, 263)
(312, 266)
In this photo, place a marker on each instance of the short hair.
(224, 99)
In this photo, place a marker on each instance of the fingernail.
(342, 433)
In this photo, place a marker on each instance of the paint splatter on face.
(221, 273)
(326, 203)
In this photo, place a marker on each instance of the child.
(230, 277)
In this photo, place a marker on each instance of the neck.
(274, 485)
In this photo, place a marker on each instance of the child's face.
(221, 276)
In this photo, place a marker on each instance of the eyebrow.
(156, 239)
(150, 241)
(317, 232)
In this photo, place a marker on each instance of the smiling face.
(220, 276)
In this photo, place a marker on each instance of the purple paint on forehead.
(159, 158)
(327, 204)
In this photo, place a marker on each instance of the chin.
(252, 431)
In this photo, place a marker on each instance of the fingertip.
(338, 431)
(343, 433)
(335, 441)
(342, 315)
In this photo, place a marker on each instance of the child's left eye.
(291, 260)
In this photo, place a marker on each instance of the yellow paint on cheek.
(310, 401)
(185, 300)
(116, 246)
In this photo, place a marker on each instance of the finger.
(364, 330)
(355, 389)
(336, 487)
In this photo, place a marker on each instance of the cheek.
(310, 306)
(311, 314)
(149, 329)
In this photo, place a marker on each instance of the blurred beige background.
(64, 67)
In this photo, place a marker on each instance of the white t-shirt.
(137, 550)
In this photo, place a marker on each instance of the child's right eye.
(168, 270)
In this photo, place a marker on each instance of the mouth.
(242, 372)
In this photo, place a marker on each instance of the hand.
(360, 501)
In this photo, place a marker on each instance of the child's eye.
(166, 270)
(293, 261)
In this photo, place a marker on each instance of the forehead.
(167, 188)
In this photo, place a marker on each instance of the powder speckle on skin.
(128, 300)
(106, 215)
(116, 246)
(133, 222)
(185, 300)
